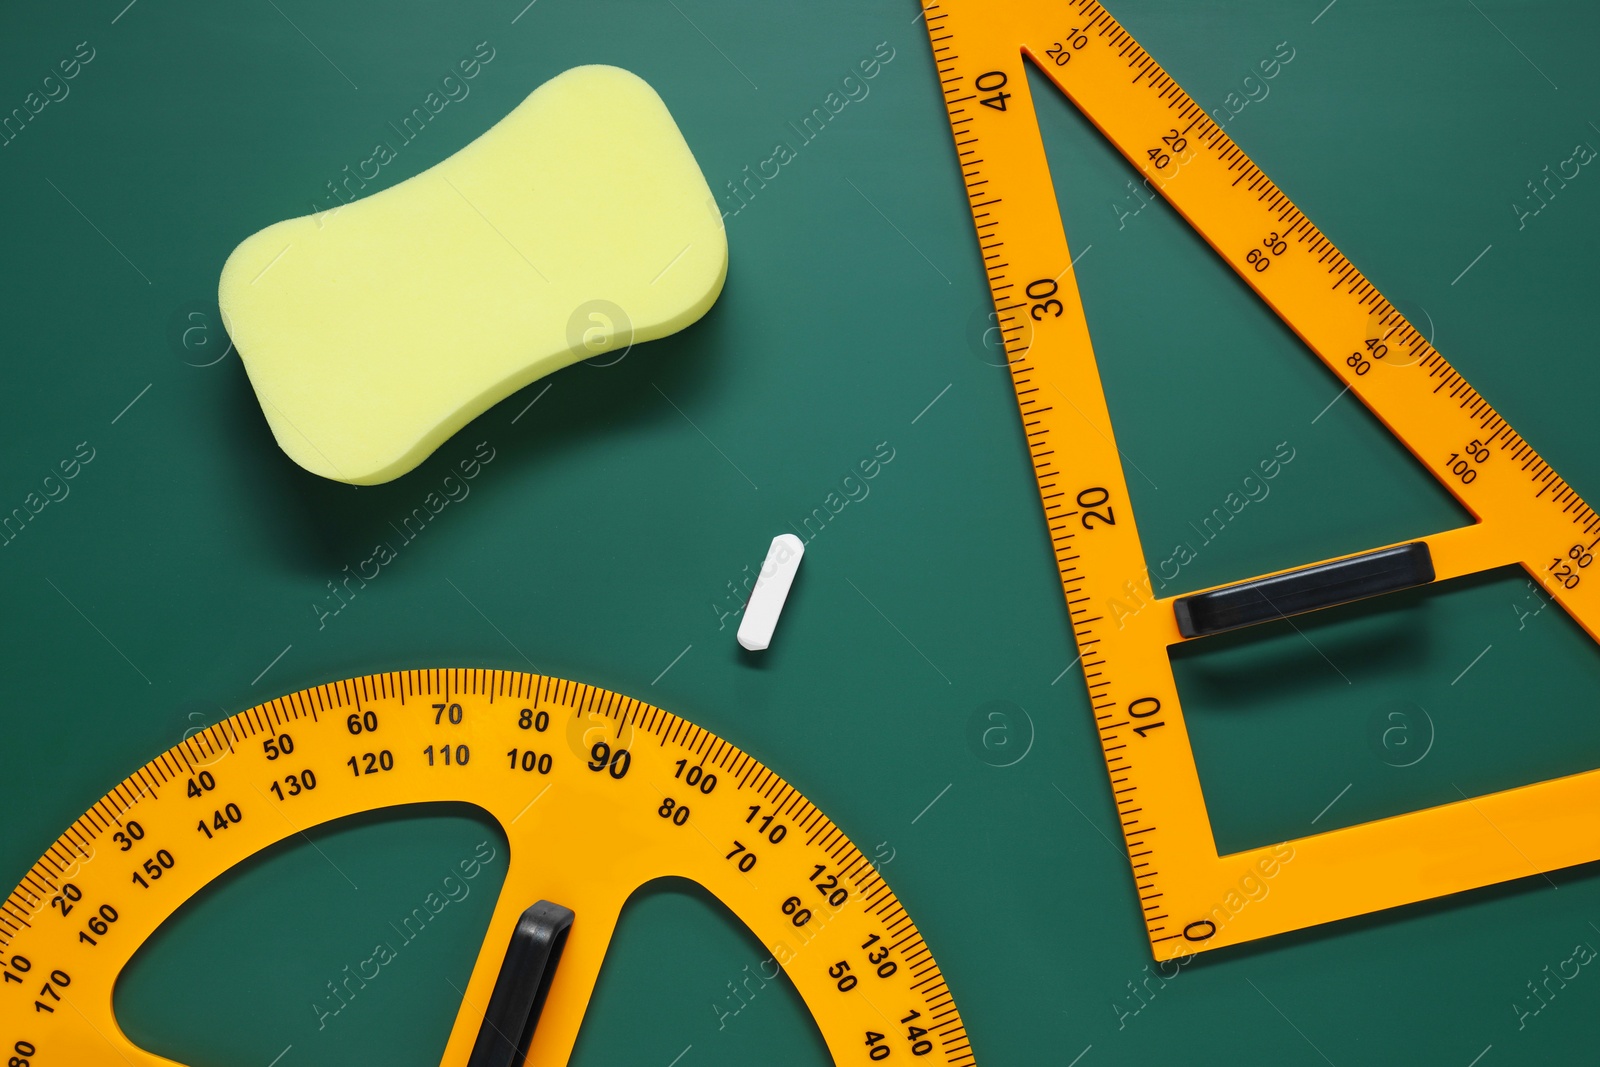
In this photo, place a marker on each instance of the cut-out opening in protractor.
(596, 794)
(343, 942)
(346, 944)
(680, 957)
(1382, 707)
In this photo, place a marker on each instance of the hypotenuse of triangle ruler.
(1192, 898)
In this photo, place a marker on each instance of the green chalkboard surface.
(183, 573)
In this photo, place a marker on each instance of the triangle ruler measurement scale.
(597, 795)
(1526, 513)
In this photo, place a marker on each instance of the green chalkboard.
(182, 574)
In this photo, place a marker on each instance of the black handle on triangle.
(519, 991)
(1322, 585)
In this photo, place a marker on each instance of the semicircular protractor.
(597, 794)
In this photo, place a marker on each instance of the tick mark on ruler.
(931, 803)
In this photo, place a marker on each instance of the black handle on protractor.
(521, 988)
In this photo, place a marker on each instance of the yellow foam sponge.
(578, 224)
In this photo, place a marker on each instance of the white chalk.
(772, 589)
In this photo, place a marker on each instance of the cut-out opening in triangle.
(1242, 452)
(1373, 709)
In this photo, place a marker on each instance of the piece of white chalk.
(771, 590)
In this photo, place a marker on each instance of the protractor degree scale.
(1192, 898)
(597, 794)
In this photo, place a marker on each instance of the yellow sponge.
(578, 224)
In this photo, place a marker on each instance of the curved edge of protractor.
(563, 767)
